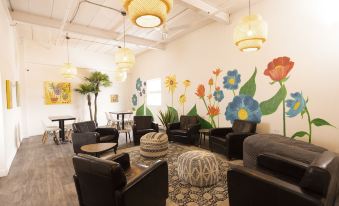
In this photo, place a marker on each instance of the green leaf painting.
(320, 122)
(270, 106)
(149, 113)
(249, 87)
(193, 111)
(174, 112)
(140, 111)
(299, 134)
(204, 123)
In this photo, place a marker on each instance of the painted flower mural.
(232, 80)
(296, 105)
(134, 100)
(243, 107)
(213, 111)
(138, 84)
(182, 98)
(171, 84)
(279, 68)
(218, 94)
(200, 92)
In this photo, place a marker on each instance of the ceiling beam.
(207, 10)
(32, 19)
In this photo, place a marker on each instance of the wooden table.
(203, 133)
(98, 148)
(61, 120)
(123, 117)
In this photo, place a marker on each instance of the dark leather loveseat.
(88, 133)
(143, 125)
(282, 181)
(116, 182)
(186, 131)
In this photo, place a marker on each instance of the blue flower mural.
(243, 107)
(134, 100)
(232, 80)
(138, 84)
(218, 95)
(295, 105)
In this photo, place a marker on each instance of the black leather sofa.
(229, 141)
(88, 133)
(143, 125)
(282, 181)
(186, 131)
(116, 182)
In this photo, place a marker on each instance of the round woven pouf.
(154, 145)
(198, 168)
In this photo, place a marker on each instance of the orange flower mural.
(210, 82)
(217, 71)
(279, 68)
(200, 91)
(213, 110)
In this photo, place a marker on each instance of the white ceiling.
(101, 29)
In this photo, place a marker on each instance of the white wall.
(298, 29)
(9, 70)
(43, 63)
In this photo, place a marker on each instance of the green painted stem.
(309, 125)
(233, 92)
(284, 112)
(212, 120)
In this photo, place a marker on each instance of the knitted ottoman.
(198, 168)
(154, 145)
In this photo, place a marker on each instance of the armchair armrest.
(220, 132)
(175, 125)
(282, 165)
(269, 190)
(155, 126)
(80, 139)
(123, 159)
(107, 131)
(154, 180)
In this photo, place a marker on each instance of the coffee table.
(98, 148)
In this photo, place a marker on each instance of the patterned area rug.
(182, 193)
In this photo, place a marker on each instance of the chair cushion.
(83, 127)
(186, 121)
(134, 171)
(145, 131)
(218, 140)
(107, 138)
(244, 126)
(179, 132)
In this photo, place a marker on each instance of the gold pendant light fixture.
(124, 58)
(148, 13)
(250, 33)
(68, 70)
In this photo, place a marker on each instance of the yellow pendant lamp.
(68, 71)
(250, 33)
(148, 13)
(124, 57)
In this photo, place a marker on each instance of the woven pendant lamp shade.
(68, 71)
(124, 59)
(250, 33)
(120, 76)
(148, 13)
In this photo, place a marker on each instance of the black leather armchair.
(312, 185)
(143, 125)
(88, 133)
(186, 131)
(116, 182)
(229, 141)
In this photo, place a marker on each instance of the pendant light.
(148, 13)
(68, 70)
(124, 57)
(251, 32)
(120, 76)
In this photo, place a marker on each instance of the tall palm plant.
(98, 79)
(87, 89)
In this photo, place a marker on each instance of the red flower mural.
(279, 68)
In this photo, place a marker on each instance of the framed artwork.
(114, 98)
(9, 94)
(57, 92)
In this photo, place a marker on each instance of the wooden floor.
(41, 175)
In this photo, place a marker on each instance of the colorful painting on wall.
(114, 98)
(57, 92)
(9, 94)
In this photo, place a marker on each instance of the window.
(154, 92)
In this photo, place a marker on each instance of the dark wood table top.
(64, 117)
(127, 112)
(98, 147)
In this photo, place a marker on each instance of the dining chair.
(50, 129)
(69, 130)
(109, 119)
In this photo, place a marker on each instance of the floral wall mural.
(139, 98)
(243, 104)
